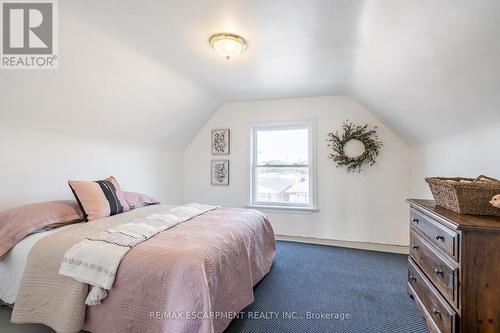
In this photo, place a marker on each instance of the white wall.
(109, 109)
(35, 166)
(366, 207)
(465, 154)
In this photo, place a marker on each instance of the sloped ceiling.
(143, 70)
(429, 68)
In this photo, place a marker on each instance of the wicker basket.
(465, 195)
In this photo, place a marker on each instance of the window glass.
(281, 166)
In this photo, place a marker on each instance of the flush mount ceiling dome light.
(228, 45)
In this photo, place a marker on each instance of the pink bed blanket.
(192, 278)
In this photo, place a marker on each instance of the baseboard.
(354, 245)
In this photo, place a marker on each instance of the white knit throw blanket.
(95, 260)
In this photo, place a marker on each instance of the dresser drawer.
(440, 270)
(438, 311)
(444, 238)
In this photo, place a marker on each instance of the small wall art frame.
(220, 172)
(220, 142)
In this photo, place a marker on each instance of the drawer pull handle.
(413, 278)
(438, 237)
(438, 271)
(414, 246)
(415, 220)
(436, 312)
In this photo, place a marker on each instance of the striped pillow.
(100, 198)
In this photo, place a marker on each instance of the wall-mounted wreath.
(366, 138)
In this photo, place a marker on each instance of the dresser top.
(459, 221)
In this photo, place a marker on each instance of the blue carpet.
(365, 288)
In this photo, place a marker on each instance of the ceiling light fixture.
(228, 45)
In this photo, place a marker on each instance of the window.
(283, 173)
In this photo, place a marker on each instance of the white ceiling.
(429, 68)
(296, 48)
(143, 70)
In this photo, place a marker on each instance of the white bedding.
(12, 266)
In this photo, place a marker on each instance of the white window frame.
(307, 124)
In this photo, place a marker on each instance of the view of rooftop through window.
(282, 166)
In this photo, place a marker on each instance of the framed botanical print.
(220, 142)
(220, 172)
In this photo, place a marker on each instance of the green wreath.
(367, 136)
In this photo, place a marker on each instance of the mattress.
(12, 266)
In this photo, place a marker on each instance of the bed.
(12, 266)
(191, 278)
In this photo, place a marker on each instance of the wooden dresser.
(454, 269)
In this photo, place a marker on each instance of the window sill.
(284, 209)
